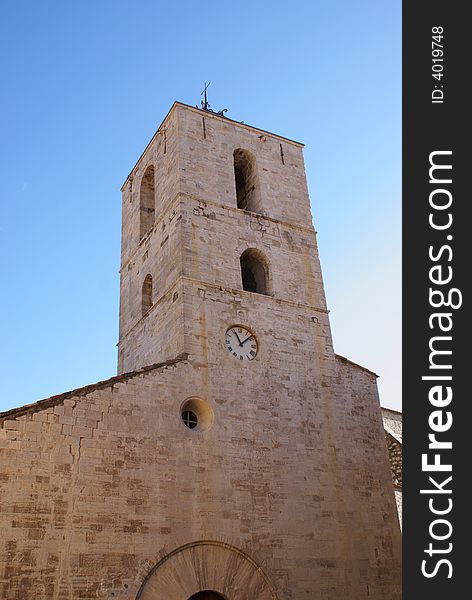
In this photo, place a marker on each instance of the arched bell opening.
(246, 181)
(146, 295)
(147, 200)
(255, 272)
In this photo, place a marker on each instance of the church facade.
(235, 456)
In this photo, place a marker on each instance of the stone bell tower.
(211, 200)
(220, 263)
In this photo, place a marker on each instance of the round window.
(190, 419)
(196, 414)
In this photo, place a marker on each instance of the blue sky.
(85, 85)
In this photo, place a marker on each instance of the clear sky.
(84, 87)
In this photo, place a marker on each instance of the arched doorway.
(211, 565)
(206, 595)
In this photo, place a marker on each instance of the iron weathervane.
(205, 105)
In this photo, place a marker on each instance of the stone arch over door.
(206, 566)
(207, 595)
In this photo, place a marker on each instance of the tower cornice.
(201, 201)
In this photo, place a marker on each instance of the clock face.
(241, 343)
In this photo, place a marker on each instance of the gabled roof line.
(392, 410)
(392, 433)
(346, 360)
(13, 413)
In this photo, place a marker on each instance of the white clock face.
(241, 343)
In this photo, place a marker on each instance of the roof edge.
(392, 434)
(210, 114)
(393, 410)
(346, 360)
(240, 123)
(85, 390)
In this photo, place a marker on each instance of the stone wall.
(100, 485)
(393, 421)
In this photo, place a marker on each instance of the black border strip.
(436, 257)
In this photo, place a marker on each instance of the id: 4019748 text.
(437, 66)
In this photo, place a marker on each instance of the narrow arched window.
(147, 202)
(146, 297)
(254, 271)
(246, 180)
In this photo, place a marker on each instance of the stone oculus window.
(196, 414)
(146, 297)
(246, 180)
(147, 201)
(190, 419)
(255, 272)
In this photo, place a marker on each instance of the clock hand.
(248, 338)
(235, 333)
